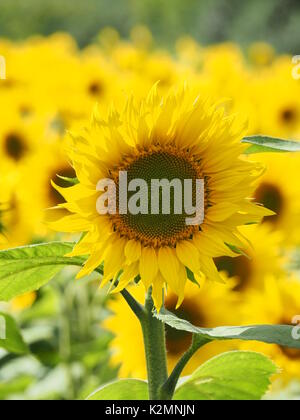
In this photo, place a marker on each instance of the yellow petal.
(169, 266)
(129, 274)
(158, 291)
(133, 251)
(188, 255)
(72, 223)
(95, 259)
(148, 266)
(210, 270)
(114, 260)
(221, 212)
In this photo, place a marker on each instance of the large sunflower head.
(180, 137)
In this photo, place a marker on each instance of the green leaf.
(271, 334)
(262, 144)
(235, 375)
(69, 181)
(26, 269)
(17, 386)
(10, 336)
(124, 389)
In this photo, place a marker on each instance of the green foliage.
(28, 268)
(263, 144)
(69, 355)
(271, 334)
(229, 376)
(209, 22)
(62, 331)
(10, 336)
(124, 389)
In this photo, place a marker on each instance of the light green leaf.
(69, 181)
(124, 389)
(26, 269)
(16, 386)
(263, 144)
(10, 336)
(235, 375)
(271, 334)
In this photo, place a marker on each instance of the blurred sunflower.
(23, 302)
(261, 54)
(262, 256)
(21, 138)
(277, 303)
(277, 100)
(42, 195)
(279, 191)
(207, 307)
(180, 137)
(15, 223)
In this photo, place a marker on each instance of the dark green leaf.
(271, 334)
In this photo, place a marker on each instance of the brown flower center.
(15, 146)
(159, 229)
(95, 88)
(67, 172)
(271, 197)
(179, 341)
(289, 116)
(239, 267)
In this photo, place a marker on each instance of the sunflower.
(262, 256)
(277, 303)
(181, 137)
(278, 190)
(23, 302)
(41, 195)
(207, 306)
(277, 100)
(261, 54)
(20, 137)
(14, 221)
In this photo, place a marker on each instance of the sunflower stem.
(155, 349)
(168, 388)
(135, 306)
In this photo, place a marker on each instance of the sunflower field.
(98, 302)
